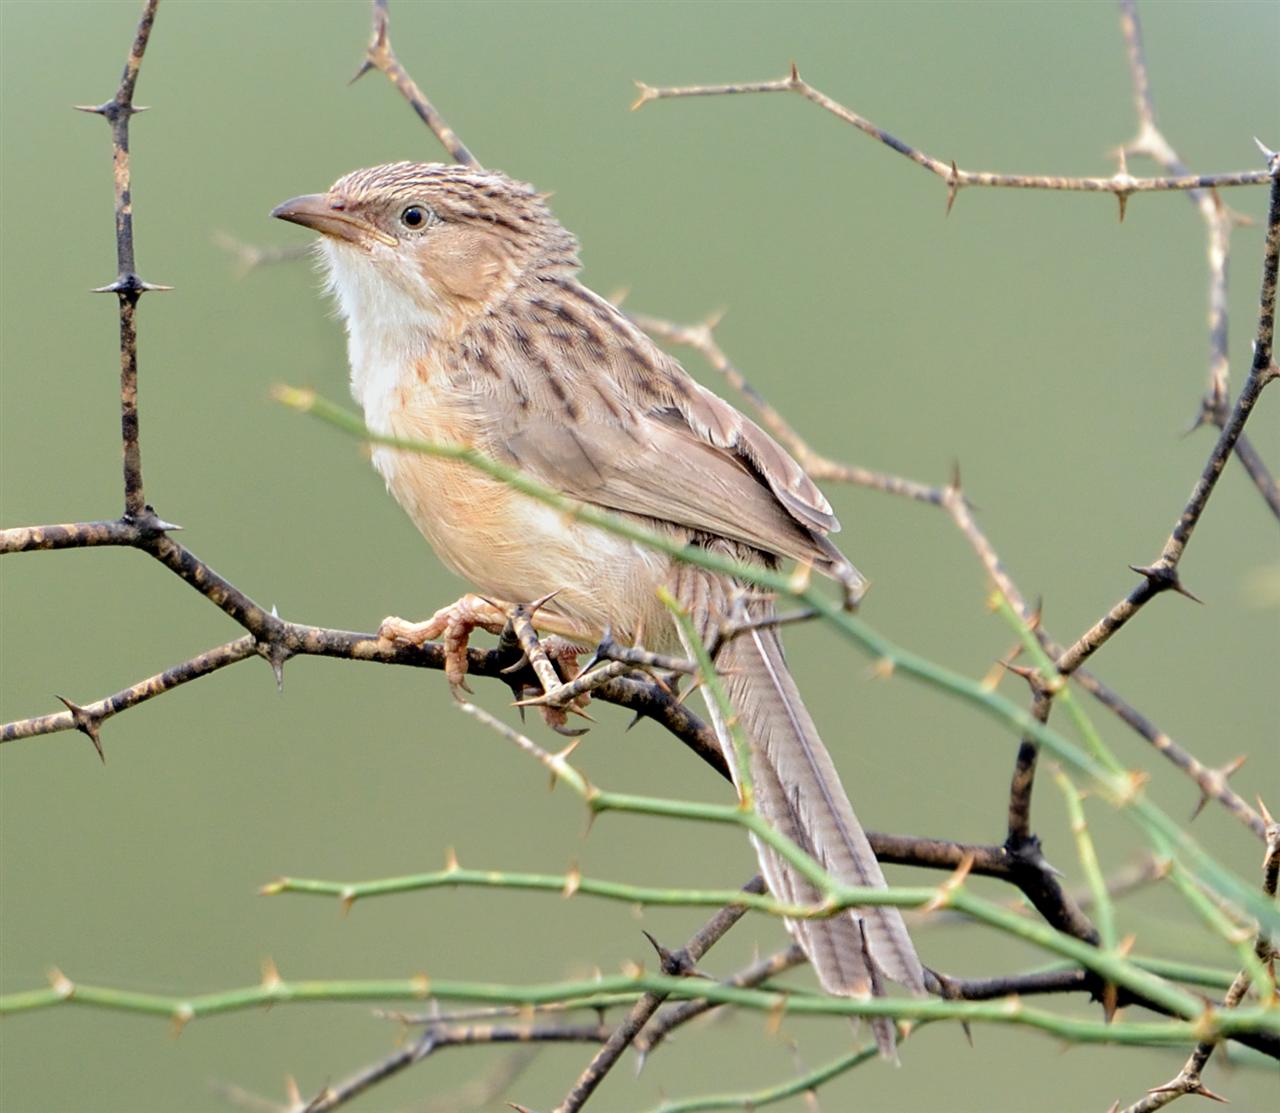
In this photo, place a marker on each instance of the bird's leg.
(544, 655)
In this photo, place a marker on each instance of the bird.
(467, 325)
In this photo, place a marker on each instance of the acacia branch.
(127, 286)
(1121, 184)
(282, 641)
(1189, 1080)
(380, 56)
(1219, 221)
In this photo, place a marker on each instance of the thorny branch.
(1219, 221)
(1121, 184)
(951, 500)
(379, 56)
(679, 963)
(127, 286)
(1189, 1079)
(1019, 861)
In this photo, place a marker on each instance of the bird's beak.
(329, 217)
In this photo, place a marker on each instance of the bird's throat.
(391, 328)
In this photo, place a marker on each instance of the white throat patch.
(388, 327)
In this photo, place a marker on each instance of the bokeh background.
(1055, 354)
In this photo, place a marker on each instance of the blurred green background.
(1054, 353)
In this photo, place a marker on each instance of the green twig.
(754, 1099)
(1057, 685)
(1104, 907)
(1240, 939)
(1121, 789)
(951, 894)
(622, 988)
(716, 696)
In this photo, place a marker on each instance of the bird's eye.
(415, 216)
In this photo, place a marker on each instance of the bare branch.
(127, 286)
(675, 963)
(1189, 1079)
(1120, 184)
(379, 56)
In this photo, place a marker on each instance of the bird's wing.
(600, 413)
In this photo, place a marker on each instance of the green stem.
(1120, 788)
(620, 988)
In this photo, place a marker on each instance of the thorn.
(1110, 999)
(1177, 586)
(991, 678)
(272, 888)
(942, 898)
(572, 881)
(634, 720)
(645, 96)
(953, 187)
(346, 900)
(1123, 200)
(1267, 152)
(364, 68)
(968, 1031)
(270, 975)
(1164, 577)
(563, 755)
(1203, 1091)
(183, 1015)
(1027, 672)
(954, 482)
(1224, 774)
(524, 660)
(292, 1093)
(129, 284)
(883, 668)
(86, 723)
(63, 986)
(773, 1023)
(103, 109)
(676, 964)
(1262, 810)
(800, 579)
(795, 74)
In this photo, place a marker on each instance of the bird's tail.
(798, 792)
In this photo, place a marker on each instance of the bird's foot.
(551, 659)
(454, 624)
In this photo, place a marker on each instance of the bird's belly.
(512, 547)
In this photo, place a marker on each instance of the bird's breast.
(510, 546)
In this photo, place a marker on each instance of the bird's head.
(450, 239)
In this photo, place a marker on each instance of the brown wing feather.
(593, 408)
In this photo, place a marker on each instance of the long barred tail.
(798, 791)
